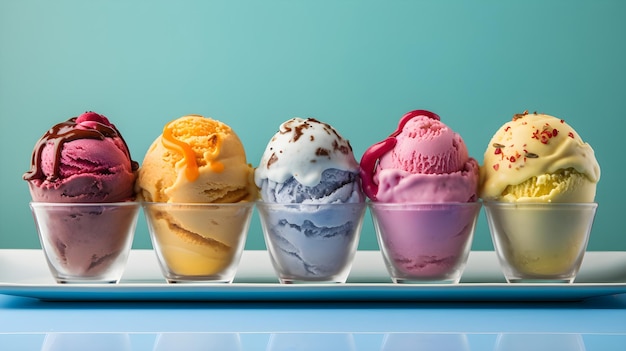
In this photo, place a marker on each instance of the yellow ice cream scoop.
(538, 158)
(538, 183)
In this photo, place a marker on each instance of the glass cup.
(311, 243)
(540, 242)
(198, 242)
(86, 242)
(425, 243)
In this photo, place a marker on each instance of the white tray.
(25, 273)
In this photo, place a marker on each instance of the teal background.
(358, 65)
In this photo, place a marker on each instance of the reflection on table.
(198, 341)
(540, 342)
(315, 341)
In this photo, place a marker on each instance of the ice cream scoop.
(308, 161)
(313, 205)
(538, 183)
(422, 161)
(538, 158)
(199, 195)
(82, 185)
(423, 189)
(84, 159)
(196, 160)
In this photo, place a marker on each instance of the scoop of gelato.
(84, 159)
(422, 161)
(196, 160)
(538, 158)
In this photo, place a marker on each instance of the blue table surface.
(593, 324)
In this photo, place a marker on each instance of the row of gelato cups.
(313, 243)
(198, 192)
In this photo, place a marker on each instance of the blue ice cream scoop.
(312, 202)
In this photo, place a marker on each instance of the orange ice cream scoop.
(196, 160)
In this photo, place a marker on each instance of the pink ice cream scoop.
(84, 159)
(423, 185)
(81, 183)
(422, 161)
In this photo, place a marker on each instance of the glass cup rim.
(539, 205)
(197, 204)
(308, 204)
(422, 205)
(84, 204)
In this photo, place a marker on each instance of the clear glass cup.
(198, 242)
(86, 242)
(312, 243)
(540, 242)
(425, 243)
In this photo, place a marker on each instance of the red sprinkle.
(507, 128)
(555, 132)
(498, 151)
(571, 135)
(496, 166)
(512, 159)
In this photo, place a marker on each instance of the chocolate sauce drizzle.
(65, 132)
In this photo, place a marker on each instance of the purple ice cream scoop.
(312, 203)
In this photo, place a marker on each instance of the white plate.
(25, 273)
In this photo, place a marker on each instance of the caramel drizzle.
(189, 156)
